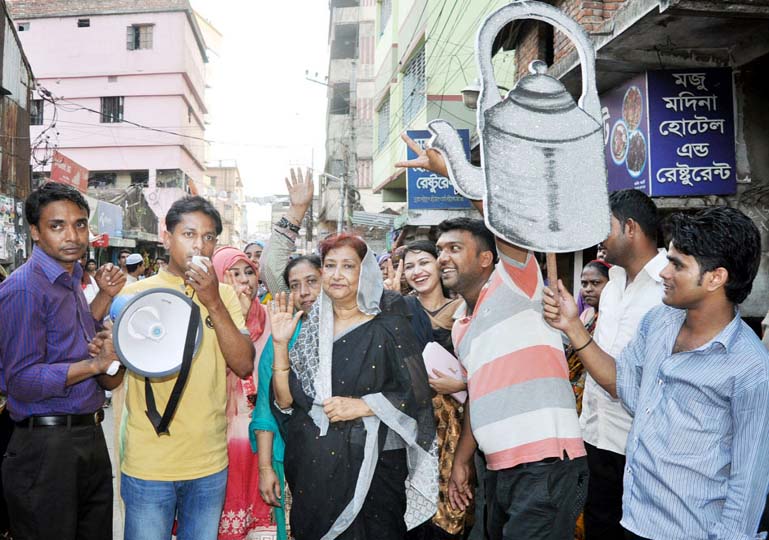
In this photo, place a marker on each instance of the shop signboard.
(670, 133)
(109, 219)
(427, 190)
(66, 171)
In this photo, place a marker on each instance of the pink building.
(126, 82)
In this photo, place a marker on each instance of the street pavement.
(117, 516)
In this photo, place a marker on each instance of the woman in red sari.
(245, 515)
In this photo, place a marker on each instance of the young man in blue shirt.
(696, 379)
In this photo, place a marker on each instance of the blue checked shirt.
(698, 451)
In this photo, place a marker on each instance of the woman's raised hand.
(243, 292)
(392, 281)
(300, 189)
(282, 321)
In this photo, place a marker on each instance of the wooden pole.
(552, 272)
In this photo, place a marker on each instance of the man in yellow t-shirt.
(183, 474)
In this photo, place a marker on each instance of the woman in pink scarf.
(245, 515)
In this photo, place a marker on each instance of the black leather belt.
(63, 420)
(546, 461)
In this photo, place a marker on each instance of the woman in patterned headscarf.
(354, 406)
(244, 511)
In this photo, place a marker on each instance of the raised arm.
(560, 312)
(283, 238)
(110, 281)
(283, 325)
(237, 348)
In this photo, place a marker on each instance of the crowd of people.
(441, 391)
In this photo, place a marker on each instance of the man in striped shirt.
(521, 407)
(696, 379)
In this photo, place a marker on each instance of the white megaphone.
(150, 330)
(157, 333)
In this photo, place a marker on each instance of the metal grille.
(383, 123)
(36, 112)
(414, 98)
(111, 110)
(139, 36)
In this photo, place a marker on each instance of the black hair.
(636, 205)
(48, 193)
(314, 260)
(126, 251)
(163, 258)
(132, 267)
(476, 227)
(188, 205)
(721, 238)
(422, 246)
(601, 267)
(89, 261)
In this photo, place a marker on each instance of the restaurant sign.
(671, 133)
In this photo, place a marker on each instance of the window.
(139, 36)
(23, 27)
(111, 110)
(414, 98)
(385, 10)
(340, 100)
(140, 178)
(36, 112)
(383, 123)
(83, 23)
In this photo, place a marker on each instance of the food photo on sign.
(671, 133)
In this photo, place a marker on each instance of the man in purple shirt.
(57, 477)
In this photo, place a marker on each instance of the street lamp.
(471, 92)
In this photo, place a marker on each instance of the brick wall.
(591, 14)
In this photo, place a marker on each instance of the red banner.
(66, 171)
(101, 241)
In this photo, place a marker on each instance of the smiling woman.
(347, 473)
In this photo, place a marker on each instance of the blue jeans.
(151, 506)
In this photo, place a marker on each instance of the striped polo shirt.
(522, 407)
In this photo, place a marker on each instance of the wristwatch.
(286, 224)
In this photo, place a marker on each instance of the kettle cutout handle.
(525, 9)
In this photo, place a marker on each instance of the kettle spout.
(468, 179)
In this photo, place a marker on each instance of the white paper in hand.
(436, 357)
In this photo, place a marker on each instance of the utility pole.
(352, 161)
(342, 204)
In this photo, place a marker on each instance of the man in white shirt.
(634, 287)
(134, 267)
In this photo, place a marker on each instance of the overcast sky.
(267, 116)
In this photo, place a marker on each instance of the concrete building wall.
(163, 87)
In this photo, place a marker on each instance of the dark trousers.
(603, 508)
(763, 525)
(6, 429)
(536, 501)
(58, 484)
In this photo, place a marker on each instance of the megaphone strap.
(161, 423)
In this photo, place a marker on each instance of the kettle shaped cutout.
(543, 172)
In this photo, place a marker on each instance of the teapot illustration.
(543, 172)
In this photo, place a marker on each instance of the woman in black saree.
(354, 406)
